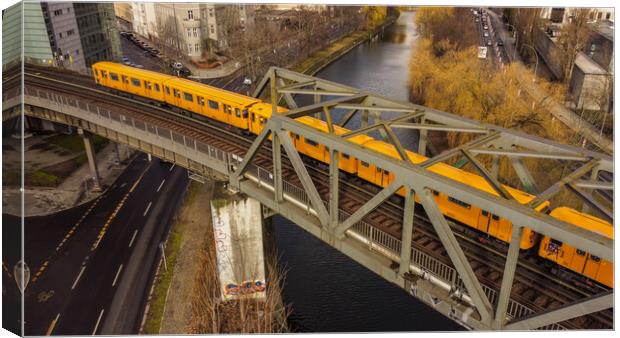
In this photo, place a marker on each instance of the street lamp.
(535, 53)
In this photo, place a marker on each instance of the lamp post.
(535, 53)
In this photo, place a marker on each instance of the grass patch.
(41, 178)
(164, 278)
(74, 143)
(10, 177)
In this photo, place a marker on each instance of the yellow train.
(251, 114)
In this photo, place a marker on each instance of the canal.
(327, 291)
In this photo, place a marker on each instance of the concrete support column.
(90, 154)
(405, 251)
(422, 140)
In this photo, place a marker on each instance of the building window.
(190, 15)
(57, 12)
(60, 35)
(212, 30)
(196, 48)
(189, 47)
(599, 15)
(195, 31)
(608, 16)
(210, 11)
(135, 82)
(189, 33)
(70, 32)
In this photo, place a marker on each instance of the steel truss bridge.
(453, 288)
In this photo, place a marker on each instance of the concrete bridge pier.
(90, 154)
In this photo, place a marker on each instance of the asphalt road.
(82, 259)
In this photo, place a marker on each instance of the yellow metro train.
(251, 114)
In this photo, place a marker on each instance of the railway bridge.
(408, 243)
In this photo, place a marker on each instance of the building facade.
(124, 14)
(144, 22)
(81, 34)
(197, 28)
(34, 44)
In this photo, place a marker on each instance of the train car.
(130, 80)
(574, 259)
(218, 104)
(463, 212)
(320, 152)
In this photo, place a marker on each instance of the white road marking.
(118, 272)
(133, 237)
(52, 325)
(161, 184)
(172, 166)
(147, 209)
(98, 320)
(78, 278)
(124, 184)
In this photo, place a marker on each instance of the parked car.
(125, 59)
(140, 66)
(500, 43)
(489, 43)
(486, 35)
(485, 27)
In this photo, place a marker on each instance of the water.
(329, 292)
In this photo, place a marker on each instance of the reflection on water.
(328, 291)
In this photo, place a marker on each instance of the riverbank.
(322, 58)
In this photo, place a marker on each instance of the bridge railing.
(375, 237)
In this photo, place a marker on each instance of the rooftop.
(604, 28)
(587, 65)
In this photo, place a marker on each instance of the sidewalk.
(569, 118)
(220, 71)
(69, 193)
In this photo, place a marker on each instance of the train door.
(484, 221)
(201, 104)
(125, 82)
(148, 89)
(495, 226)
(177, 97)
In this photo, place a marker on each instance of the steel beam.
(377, 108)
(249, 156)
(407, 232)
(262, 84)
(451, 245)
(347, 117)
(556, 187)
(318, 107)
(587, 198)
(451, 152)
(422, 140)
(277, 167)
(396, 143)
(532, 154)
(487, 176)
(328, 119)
(507, 279)
(304, 177)
(439, 127)
(287, 96)
(529, 184)
(334, 186)
(369, 206)
(587, 184)
(495, 166)
(296, 84)
(315, 92)
(577, 309)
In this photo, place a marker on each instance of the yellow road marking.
(52, 325)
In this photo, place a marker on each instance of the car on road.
(477, 20)
(489, 43)
(125, 59)
(500, 43)
(485, 27)
(127, 63)
(486, 35)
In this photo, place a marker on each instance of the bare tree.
(572, 40)
(168, 40)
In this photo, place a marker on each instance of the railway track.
(532, 283)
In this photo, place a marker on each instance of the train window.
(556, 242)
(96, 72)
(495, 217)
(104, 74)
(156, 87)
(346, 156)
(135, 82)
(124, 77)
(147, 84)
(365, 164)
(485, 213)
(385, 172)
(581, 252)
(461, 203)
(167, 90)
(237, 112)
(214, 105)
(245, 113)
(312, 143)
(114, 76)
(436, 193)
(596, 258)
(253, 117)
(188, 97)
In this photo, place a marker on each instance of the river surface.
(327, 291)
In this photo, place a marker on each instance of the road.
(82, 258)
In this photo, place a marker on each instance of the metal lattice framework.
(287, 86)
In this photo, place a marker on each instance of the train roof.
(588, 222)
(221, 94)
(322, 126)
(133, 70)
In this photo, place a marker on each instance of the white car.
(486, 35)
(177, 65)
